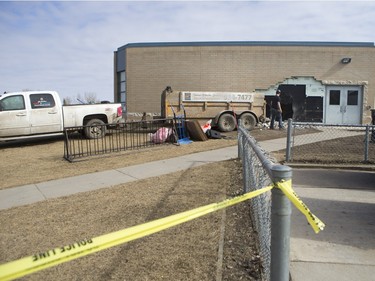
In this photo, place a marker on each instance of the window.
(122, 88)
(42, 101)
(12, 103)
(122, 76)
(352, 97)
(334, 97)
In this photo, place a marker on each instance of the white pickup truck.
(40, 113)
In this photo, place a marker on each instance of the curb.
(370, 168)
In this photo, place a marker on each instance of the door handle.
(52, 112)
(21, 114)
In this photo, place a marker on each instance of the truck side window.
(12, 103)
(41, 101)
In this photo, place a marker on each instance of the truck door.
(14, 120)
(45, 114)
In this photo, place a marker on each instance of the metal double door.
(343, 105)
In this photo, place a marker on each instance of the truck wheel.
(95, 129)
(248, 121)
(227, 123)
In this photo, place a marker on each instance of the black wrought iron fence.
(126, 136)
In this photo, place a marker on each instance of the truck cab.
(40, 113)
(29, 113)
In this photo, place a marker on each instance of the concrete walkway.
(32, 193)
(345, 250)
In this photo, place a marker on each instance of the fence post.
(367, 142)
(239, 138)
(280, 226)
(289, 141)
(67, 154)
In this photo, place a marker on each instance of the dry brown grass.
(186, 252)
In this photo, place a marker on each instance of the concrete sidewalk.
(345, 250)
(32, 193)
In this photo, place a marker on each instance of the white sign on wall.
(217, 96)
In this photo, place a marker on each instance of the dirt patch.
(349, 150)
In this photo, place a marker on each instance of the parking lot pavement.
(345, 249)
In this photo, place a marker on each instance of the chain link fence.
(330, 144)
(256, 175)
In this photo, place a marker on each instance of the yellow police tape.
(286, 187)
(37, 262)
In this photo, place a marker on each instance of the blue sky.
(68, 46)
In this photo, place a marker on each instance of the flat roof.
(248, 43)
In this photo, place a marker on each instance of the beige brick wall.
(238, 68)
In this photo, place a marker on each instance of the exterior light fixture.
(346, 60)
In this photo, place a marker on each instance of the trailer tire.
(226, 123)
(248, 121)
(95, 129)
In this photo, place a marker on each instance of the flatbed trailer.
(225, 109)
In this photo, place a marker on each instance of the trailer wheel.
(248, 121)
(95, 129)
(226, 123)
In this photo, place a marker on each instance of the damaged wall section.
(302, 99)
(306, 99)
